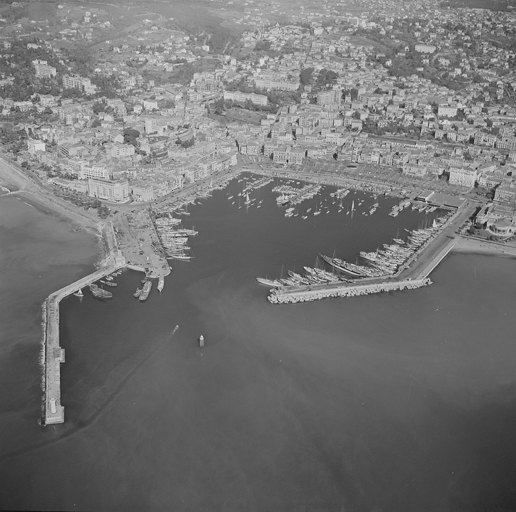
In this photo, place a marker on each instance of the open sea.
(403, 401)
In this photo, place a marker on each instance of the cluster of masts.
(416, 205)
(174, 238)
(381, 263)
(341, 193)
(254, 185)
(292, 195)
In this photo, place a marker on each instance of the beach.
(474, 246)
(36, 195)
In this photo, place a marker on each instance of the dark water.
(394, 402)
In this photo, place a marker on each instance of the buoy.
(201, 341)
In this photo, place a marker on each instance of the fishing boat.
(99, 293)
(145, 291)
(268, 282)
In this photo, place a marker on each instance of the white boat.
(161, 284)
(268, 282)
(79, 293)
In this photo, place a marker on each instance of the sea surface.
(403, 401)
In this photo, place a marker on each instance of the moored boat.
(99, 293)
(145, 291)
(268, 282)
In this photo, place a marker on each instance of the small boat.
(201, 341)
(79, 293)
(137, 292)
(161, 284)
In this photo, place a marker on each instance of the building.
(506, 192)
(446, 111)
(142, 192)
(35, 145)
(414, 170)
(425, 48)
(109, 190)
(463, 176)
(265, 83)
(43, 70)
(257, 99)
(78, 82)
(332, 97)
(119, 150)
(288, 155)
(94, 171)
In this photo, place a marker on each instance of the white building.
(257, 99)
(35, 145)
(463, 176)
(109, 190)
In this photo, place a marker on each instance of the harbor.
(411, 271)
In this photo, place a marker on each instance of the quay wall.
(343, 290)
(52, 355)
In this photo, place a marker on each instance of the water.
(401, 401)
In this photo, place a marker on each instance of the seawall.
(53, 354)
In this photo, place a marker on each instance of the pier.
(52, 354)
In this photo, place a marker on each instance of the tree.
(306, 76)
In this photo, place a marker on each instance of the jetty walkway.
(53, 354)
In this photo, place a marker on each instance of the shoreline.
(35, 195)
(472, 246)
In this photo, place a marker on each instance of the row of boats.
(97, 291)
(391, 257)
(416, 205)
(254, 185)
(313, 275)
(142, 293)
(384, 262)
(102, 294)
(292, 195)
(173, 238)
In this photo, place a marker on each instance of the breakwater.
(52, 355)
(345, 290)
